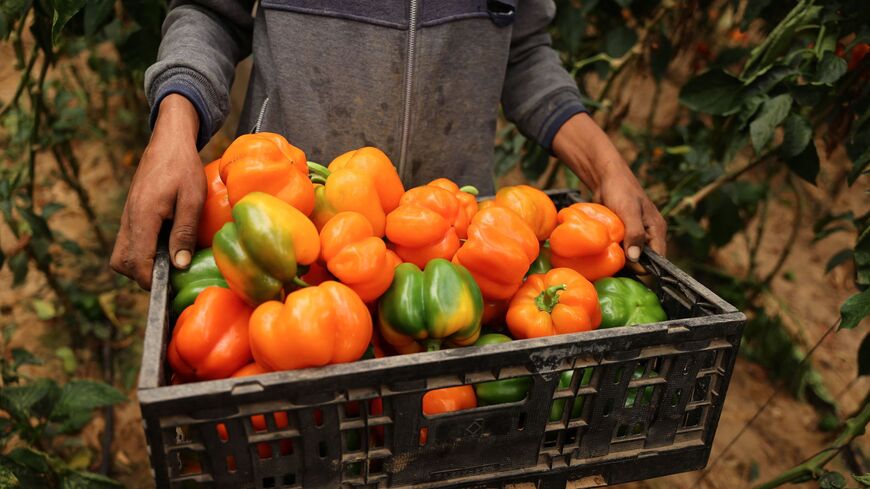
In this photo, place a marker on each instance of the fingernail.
(182, 259)
(633, 253)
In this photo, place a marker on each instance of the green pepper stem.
(318, 169)
(470, 189)
(432, 344)
(548, 299)
(300, 283)
(317, 179)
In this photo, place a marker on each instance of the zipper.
(262, 114)
(409, 83)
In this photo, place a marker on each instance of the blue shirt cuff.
(195, 98)
(557, 119)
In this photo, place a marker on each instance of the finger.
(635, 236)
(656, 228)
(143, 230)
(182, 238)
(119, 251)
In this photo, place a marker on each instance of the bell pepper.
(216, 210)
(558, 302)
(423, 309)
(446, 400)
(314, 326)
(188, 283)
(494, 314)
(210, 338)
(362, 180)
(542, 262)
(467, 197)
(266, 162)
(498, 252)
(531, 204)
(587, 240)
(422, 228)
(626, 302)
(316, 274)
(558, 406)
(357, 257)
(500, 391)
(259, 252)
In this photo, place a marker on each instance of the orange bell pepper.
(533, 205)
(216, 210)
(499, 250)
(315, 326)
(356, 256)
(447, 400)
(258, 421)
(467, 197)
(494, 313)
(362, 180)
(587, 240)
(316, 274)
(560, 301)
(210, 339)
(422, 228)
(266, 162)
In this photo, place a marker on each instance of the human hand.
(169, 183)
(587, 150)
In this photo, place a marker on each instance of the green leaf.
(34, 399)
(619, 40)
(20, 357)
(796, 136)
(79, 398)
(96, 13)
(830, 69)
(80, 479)
(72, 247)
(779, 41)
(863, 479)
(63, 12)
(7, 478)
(18, 265)
(68, 358)
(838, 259)
(773, 112)
(44, 310)
(805, 164)
(714, 92)
(832, 480)
(51, 209)
(864, 356)
(854, 310)
(30, 458)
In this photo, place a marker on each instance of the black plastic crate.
(650, 407)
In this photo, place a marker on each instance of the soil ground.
(784, 435)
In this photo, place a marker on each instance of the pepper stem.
(318, 169)
(432, 344)
(317, 179)
(300, 283)
(470, 189)
(548, 299)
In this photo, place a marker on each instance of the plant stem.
(25, 79)
(70, 177)
(691, 201)
(813, 467)
(470, 189)
(318, 169)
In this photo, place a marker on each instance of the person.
(420, 79)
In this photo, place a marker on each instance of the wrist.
(176, 117)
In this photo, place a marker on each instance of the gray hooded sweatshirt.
(419, 79)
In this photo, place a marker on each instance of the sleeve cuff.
(191, 93)
(559, 116)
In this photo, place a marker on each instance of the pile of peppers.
(302, 265)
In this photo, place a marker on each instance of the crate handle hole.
(608, 408)
(675, 397)
(618, 377)
(321, 448)
(289, 479)
(521, 421)
(268, 482)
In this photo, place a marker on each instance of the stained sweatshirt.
(422, 80)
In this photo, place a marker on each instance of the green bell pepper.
(259, 251)
(424, 308)
(542, 262)
(500, 391)
(626, 302)
(188, 283)
(558, 406)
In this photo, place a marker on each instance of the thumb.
(635, 235)
(182, 238)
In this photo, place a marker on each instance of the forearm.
(587, 151)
